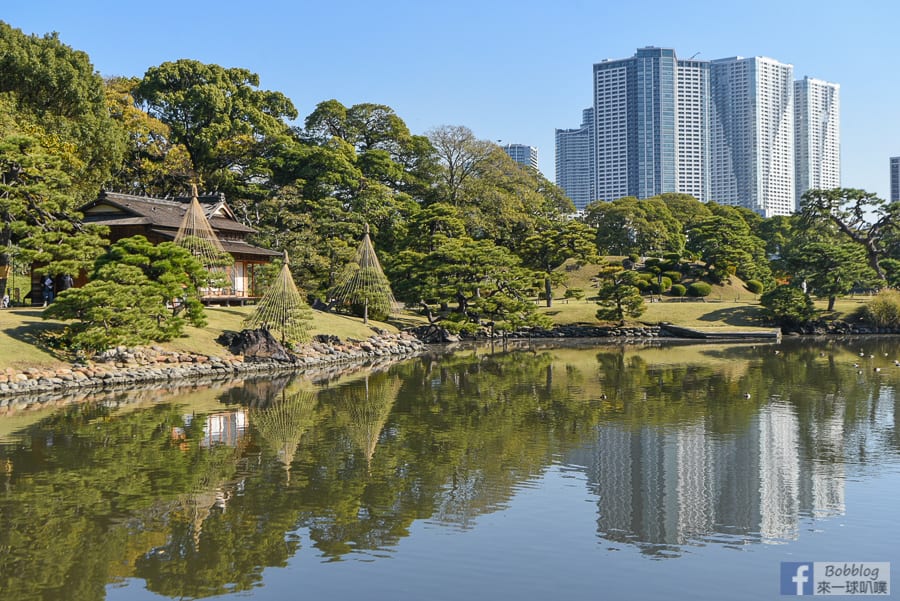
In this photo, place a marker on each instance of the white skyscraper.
(692, 134)
(817, 137)
(575, 161)
(752, 135)
(522, 154)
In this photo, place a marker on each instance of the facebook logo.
(796, 578)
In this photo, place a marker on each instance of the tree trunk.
(548, 291)
(831, 300)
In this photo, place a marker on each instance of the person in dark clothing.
(47, 290)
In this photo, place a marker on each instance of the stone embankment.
(840, 328)
(123, 367)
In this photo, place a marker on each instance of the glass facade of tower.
(737, 131)
(651, 125)
(575, 161)
(895, 179)
(522, 154)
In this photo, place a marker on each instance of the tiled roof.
(113, 208)
(232, 246)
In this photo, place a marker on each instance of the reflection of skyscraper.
(665, 486)
(822, 487)
(779, 472)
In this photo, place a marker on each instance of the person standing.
(47, 290)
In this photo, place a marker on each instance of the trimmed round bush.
(699, 289)
(658, 287)
(677, 290)
(754, 286)
(634, 258)
(675, 276)
(646, 276)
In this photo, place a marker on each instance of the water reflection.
(197, 493)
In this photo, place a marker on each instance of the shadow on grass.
(34, 333)
(735, 316)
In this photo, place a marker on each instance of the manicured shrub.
(673, 275)
(634, 257)
(653, 262)
(659, 287)
(787, 305)
(699, 289)
(884, 309)
(677, 290)
(646, 276)
(755, 286)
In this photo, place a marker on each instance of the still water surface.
(605, 472)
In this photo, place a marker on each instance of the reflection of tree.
(284, 422)
(97, 493)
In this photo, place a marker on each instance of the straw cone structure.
(197, 236)
(282, 308)
(363, 284)
(284, 423)
(369, 408)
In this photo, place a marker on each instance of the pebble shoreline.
(124, 367)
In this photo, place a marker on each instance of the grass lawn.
(20, 329)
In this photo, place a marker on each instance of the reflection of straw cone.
(284, 423)
(369, 407)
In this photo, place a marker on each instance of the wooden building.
(158, 220)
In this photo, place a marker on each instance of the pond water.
(549, 472)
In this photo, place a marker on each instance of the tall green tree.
(554, 244)
(58, 144)
(153, 165)
(460, 155)
(620, 298)
(860, 216)
(466, 283)
(38, 216)
(55, 88)
(727, 245)
(227, 125)
(631, 226)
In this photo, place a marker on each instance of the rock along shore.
(127, 367)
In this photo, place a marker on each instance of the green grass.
(20, 331)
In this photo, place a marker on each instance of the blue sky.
(510, 71)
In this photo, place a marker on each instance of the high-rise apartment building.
(895, 179)
(817, 135)
(752, 134)
(522, 154)
(738, 131)
(651, 125)
(575, 161)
